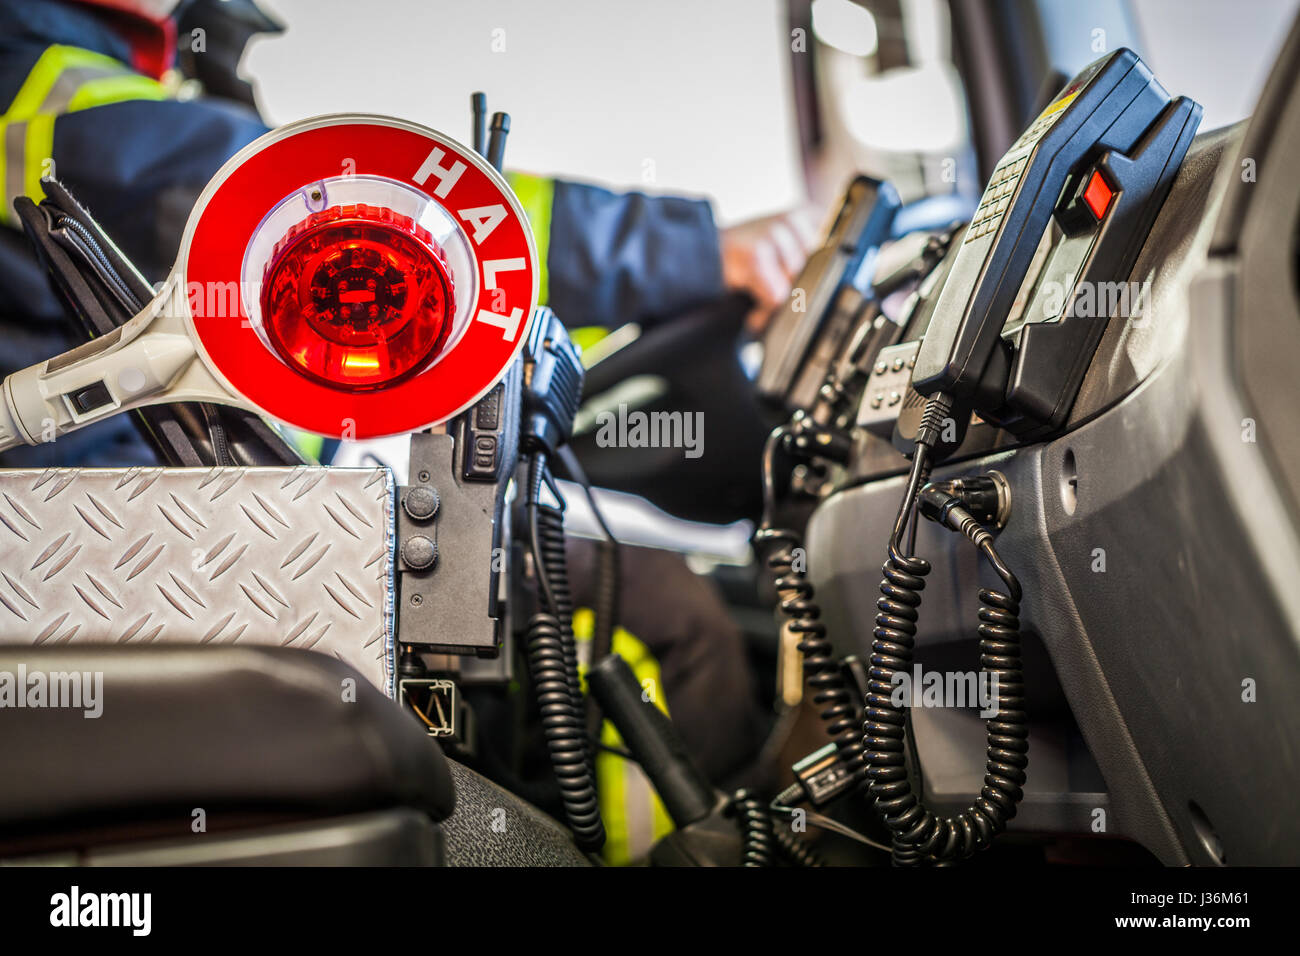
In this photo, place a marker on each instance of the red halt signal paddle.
(352, 276)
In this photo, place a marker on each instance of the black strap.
(101, 290)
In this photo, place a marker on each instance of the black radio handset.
(1077, 161)
(1070, 201)
(806, 335)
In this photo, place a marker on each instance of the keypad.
(997, 197)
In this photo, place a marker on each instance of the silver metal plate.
(293, 557)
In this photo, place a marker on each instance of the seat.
(211, 755)
(493, 827)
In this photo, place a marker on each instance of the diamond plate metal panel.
(294, 557)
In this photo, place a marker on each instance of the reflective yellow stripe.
(116, 89)
(63, 80)
(310, 445)
(622, 788)
(39, 152)
(611, 792)
(45, 75)
(536, 194)
(587, 336)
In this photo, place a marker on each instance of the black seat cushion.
(493, 827)
(237, 732)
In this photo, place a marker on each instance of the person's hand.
(762, 257)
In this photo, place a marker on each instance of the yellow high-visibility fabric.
(536, 193)
(635, 817)
(65, 79)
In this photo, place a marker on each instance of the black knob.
(419, 552)
(421, 502)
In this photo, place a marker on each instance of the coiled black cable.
(794, 849)
(919, 834)
(550, 556)
(830, 690)
(564, 730)
(783, 556)
(553, 664)
(758, 840)
(608, 570)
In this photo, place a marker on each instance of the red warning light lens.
(357, 297)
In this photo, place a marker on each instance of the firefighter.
(97, 98)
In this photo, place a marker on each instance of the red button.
(1097, 195)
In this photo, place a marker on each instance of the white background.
(693, 95)
(683, 96)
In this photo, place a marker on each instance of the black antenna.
(478, 105)
(497, 144)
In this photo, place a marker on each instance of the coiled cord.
(608, 570)
(758, 839)
(564, 730)
(795, 850)
(919, 834)
(553, 664)
(830, 690)
(551, 560)
(837, 708)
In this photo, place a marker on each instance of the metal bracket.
(450, 552)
